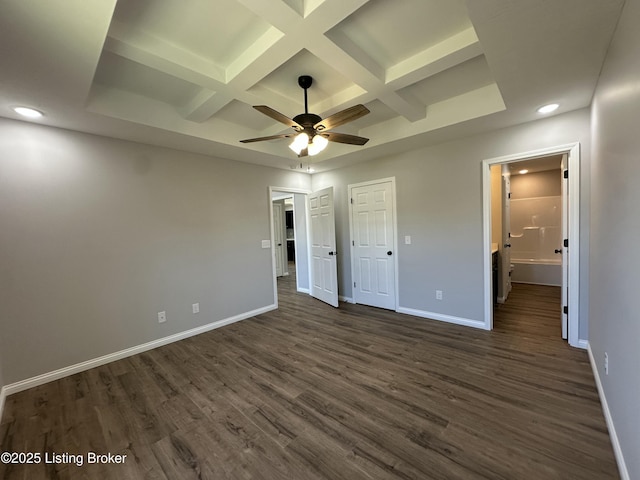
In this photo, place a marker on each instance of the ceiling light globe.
(299, 143)
(317, 144)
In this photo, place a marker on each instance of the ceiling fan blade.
(345, 138)
(272, 137)
(270, 112)
(303, 153)
(344, 116)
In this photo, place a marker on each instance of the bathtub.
(539, 271)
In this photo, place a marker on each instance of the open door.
(506, 234)
(564, 172)
(278, 232)
(322, 231)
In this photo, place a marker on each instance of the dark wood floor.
(311, 392)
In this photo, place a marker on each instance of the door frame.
(573, 152)
(285, 190)
(395, 233)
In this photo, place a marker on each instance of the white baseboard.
(342, 298)
(96, 362)
(622, 466)
(443, 318)
(304, 290)
(584, 344)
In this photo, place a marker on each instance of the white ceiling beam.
(165, 57)
(442, 56)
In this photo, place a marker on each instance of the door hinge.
(566, 243)
(509, 195)
(509, 234)
(352, 201)
(566, 174)
(353, 243)
(354, 284)
(565, 309)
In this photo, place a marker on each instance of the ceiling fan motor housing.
(307, 121)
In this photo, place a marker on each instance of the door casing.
(573, 251)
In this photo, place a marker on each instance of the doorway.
(566, 271)
(289, 237)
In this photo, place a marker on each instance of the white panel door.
(322, 231)
(563, 250)
(278, 229)
(373, 245)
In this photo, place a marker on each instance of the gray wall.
(536, 184)
(98, 235)
(439, 203)
(615, 259)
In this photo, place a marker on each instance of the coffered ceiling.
(184, 74)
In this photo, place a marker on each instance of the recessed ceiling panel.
(218, 30)
(467, 76)
(283, 81)
(392, 31)
(245, 115)
(122, 74)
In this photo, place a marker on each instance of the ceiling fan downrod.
(305, 82)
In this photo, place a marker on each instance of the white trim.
(351, 186)
(615, 443)
(3, 396)
(573, 151)
(342, 298)
(582, 343)
(111, 357)
(443, 318)
(303, 290)
(536, 283)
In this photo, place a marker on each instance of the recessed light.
(523, 171)
(28, 112)
(552, 107)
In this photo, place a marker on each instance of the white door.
(322, 231)
(373, 245)
(505, 251)
(278, 238)
(562, 249)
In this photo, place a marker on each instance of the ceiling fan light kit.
(313, 132)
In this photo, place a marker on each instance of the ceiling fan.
(312, 132)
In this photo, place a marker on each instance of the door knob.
(333, 253)
(558, 250)
(507, 245)
(389, 252)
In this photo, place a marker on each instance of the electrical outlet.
(195, 307)
(606, 363)
(162, 317)
(438, 294)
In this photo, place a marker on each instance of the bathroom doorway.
(530, 213)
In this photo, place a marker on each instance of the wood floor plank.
(312, 392)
